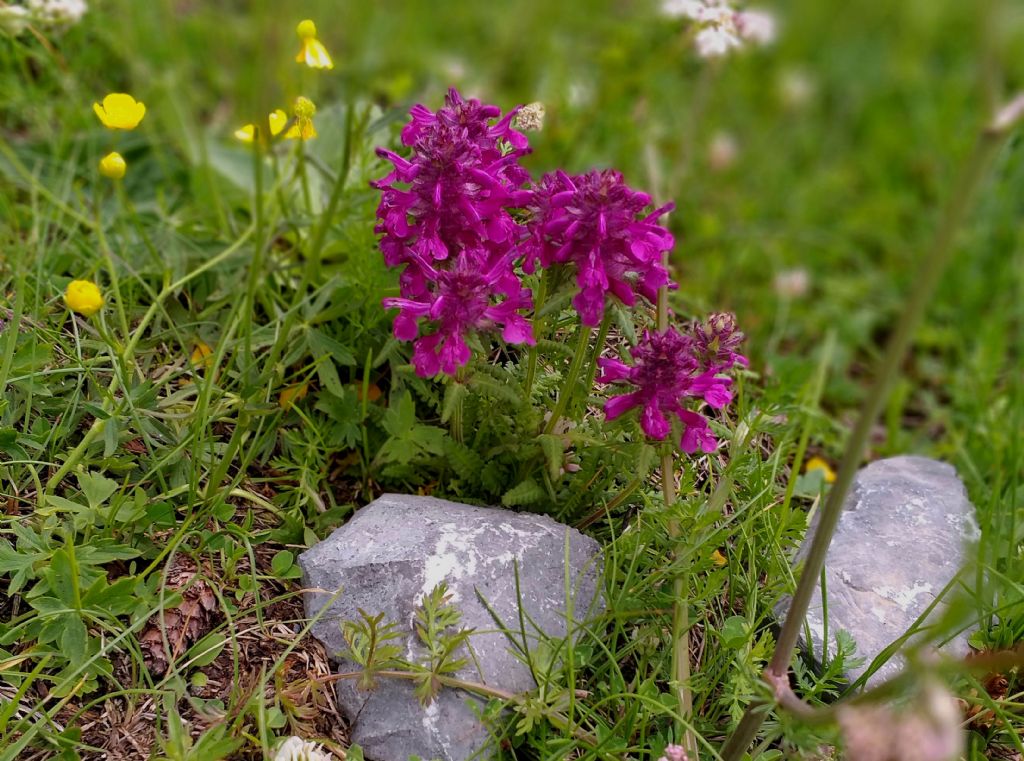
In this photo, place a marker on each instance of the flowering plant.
(492, 260)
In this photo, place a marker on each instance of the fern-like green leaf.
(454, 395)
(524, 493)
(466, 463)
(507, 392)
(554, 451)
(492, 477)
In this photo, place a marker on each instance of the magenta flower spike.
(455, 191)
(479, 292)
(670, 367)
(596, 222)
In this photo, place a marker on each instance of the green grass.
(197, 482)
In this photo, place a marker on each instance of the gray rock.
(397, 549)
(901, 539)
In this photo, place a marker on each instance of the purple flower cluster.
(595, 222)
(462, 180)
(460, 214)
(670, 367)
(445, 216)
(461, 300)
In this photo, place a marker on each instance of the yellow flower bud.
(84, 297)
(816, 463)
(113, 166)
(304, 108)
(306, 29)
(303, 128)
(120, 111)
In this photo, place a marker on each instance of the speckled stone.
(397, 549)
(901, 539)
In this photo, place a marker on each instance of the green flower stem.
(256, 267)
(315, 248)
(312, 262)
(680, 585)
(115, 284)
(602, 336)
(128, 209)
(929, 274)
(95, 430)
(538, 333)
(571, 379)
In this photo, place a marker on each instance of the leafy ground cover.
(163, 461)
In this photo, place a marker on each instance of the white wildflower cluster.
(792, 283)
(674, 753)
(530, 117)
(723, 152)
(297, 749)
(48, 15)
(722, 28)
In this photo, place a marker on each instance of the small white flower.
(690, 9)
(723, 151)
(716, 41)
(757, 26)
(674, 753)
(580, 93)
(58, 13)
(530, 117)
(719, 14)
(14, 20)
(720, 27)
(297, 749)
(796, 88)
(792, 284)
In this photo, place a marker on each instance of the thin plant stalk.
(602, 337)
(929, 274)
(569, 386)
(538, 332)
(316, 245)
(262, 140)
(680, 585)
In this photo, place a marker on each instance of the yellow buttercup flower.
(113, 166)
(816, 463)
(718, 558)
(291, 394)
(303, 128)
(278, 118)
(120, 111)
(202, 355)
(84, 297)
(313, 53)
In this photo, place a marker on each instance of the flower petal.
(619, 404)
(654, 422)
(612, 370)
